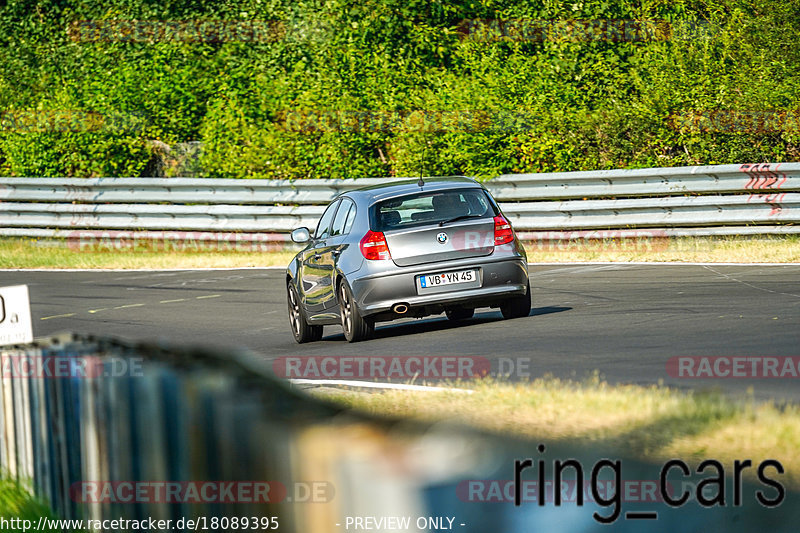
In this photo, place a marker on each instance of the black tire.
(356, 328)
(459, 313)
(518, 306)
(301, 329)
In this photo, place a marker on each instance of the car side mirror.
(301, 235)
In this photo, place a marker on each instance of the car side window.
(342, 216)
(351, 217)
(323, 228)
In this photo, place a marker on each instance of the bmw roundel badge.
(442, 238)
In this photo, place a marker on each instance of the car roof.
(376, 193)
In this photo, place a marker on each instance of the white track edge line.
(376, 385)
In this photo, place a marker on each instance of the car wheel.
(518, 306)
(459, 313)
(301, 329)
(356, 328)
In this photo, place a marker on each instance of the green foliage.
(437, 100)
(15, 502)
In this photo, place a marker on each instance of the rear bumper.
(500, 278)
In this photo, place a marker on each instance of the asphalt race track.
(624, 320)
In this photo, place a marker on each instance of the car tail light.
(373, 246)
(503, 234)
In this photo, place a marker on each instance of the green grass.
(30, 253)
(653, 423)
(765, 249)
(16, 502)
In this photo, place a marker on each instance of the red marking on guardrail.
(762, 177)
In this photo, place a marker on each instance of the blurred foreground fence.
(711, 200)
(107, 430)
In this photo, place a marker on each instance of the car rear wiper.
(460, 217)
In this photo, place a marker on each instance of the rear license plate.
(429, 281)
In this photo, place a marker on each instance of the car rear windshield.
(422, 209)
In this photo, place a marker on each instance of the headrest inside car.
(390, 218)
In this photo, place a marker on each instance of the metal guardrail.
(160, 217)
(671, 211)
(731, 199)
(718, 179)
(107, 430)
(178, 190)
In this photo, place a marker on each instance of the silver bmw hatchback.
(405, 249)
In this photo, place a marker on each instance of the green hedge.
(77, 106)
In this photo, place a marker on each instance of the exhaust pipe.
(400, 309)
